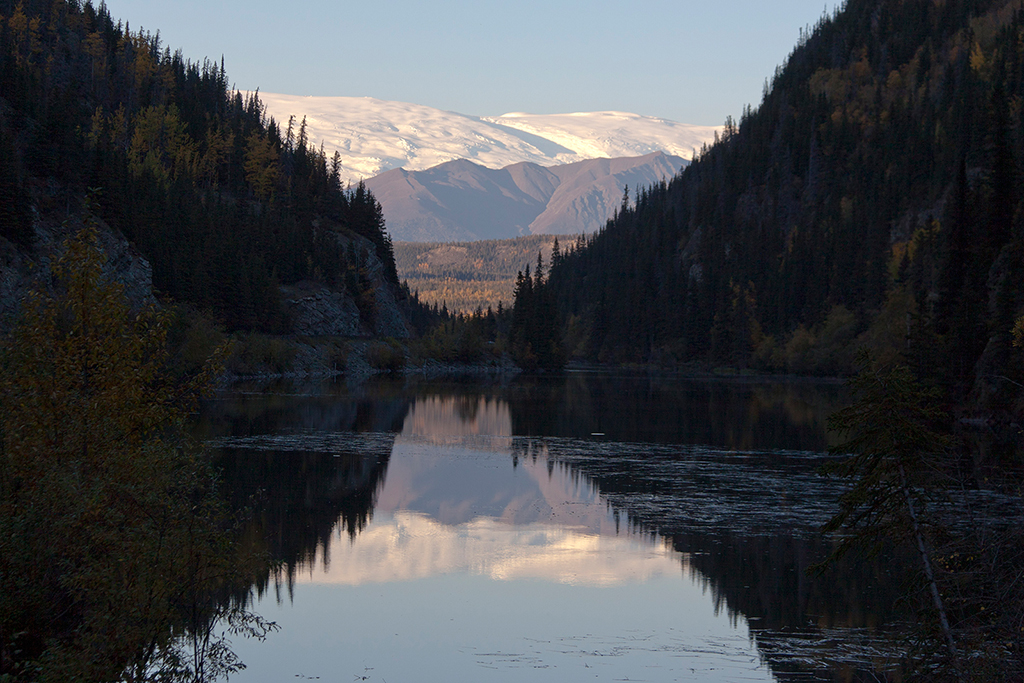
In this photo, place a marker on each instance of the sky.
(692, 61)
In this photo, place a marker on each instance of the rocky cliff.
(317, 311)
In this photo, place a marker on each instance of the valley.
(240, 358)
(465, 276)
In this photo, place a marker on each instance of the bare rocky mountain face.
(22, 271)
(463, 201)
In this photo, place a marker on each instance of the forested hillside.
(872, 200)
(224, 202)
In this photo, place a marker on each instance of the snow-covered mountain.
(374, 136)
(463, 201)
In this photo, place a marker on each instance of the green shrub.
(386, 356)
(192, 338)
(259, 353)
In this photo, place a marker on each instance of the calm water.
(585, 528)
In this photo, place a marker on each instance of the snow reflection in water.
(492, 557)
(474, 570)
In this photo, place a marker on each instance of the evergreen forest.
(867, 220)
(872, 201)
(225, 203)
(867, 214)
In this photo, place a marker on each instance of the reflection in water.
(411, 545)
(300, 485)
(440, 418)
(729, 414)
(281, 408)
(301, 497)
(464, 490)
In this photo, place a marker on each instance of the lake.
(584, 527)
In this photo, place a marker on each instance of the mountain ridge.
(373, 136)
(461, 200)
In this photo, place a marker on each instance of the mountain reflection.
(440, 418)
(411, 545)
(555, 480)
(303, 463)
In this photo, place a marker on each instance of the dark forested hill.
(225, 203)
(872, 199)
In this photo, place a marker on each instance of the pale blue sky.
(693, 61)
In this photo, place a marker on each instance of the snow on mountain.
(592, 135)
(374, 136)
(462, 201)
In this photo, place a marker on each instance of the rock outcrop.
(318, 311)
(388, 320)
(22, 271)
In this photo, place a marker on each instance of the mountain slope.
(463, 201)
(192, 173)
(591, 135)
(872, 200)
(589, 192)
(373, 136)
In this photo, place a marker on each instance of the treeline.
(872, 200)
(535, 335)
(479, 337)
(225, 202)
(463, 276)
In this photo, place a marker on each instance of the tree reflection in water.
(724, 472)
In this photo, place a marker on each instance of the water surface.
(565, 529)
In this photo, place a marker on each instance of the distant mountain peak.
(463, 201)
(374, 136)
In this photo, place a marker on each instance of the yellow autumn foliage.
(110, 544)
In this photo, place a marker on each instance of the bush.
(193, 337)
(256, 354)
(386, 356)
(112, 542)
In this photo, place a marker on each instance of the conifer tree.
(15, 210)
(891, 435)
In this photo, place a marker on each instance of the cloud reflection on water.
(474, 537)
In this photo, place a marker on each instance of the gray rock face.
(387, 320)
(21, 272)
(318, 311)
